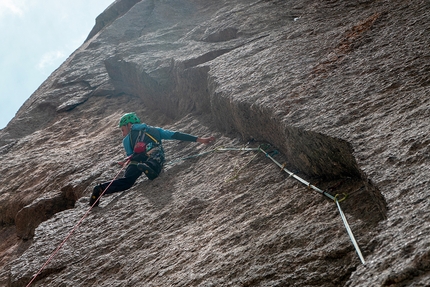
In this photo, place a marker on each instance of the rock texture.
(339, 88)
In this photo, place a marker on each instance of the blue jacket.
(154, 133)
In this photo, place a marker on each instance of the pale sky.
(36, 37)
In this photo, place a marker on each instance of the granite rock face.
(338, 91)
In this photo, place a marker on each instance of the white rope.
(351, 235)
(290, 174)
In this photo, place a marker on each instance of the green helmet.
(129, 118)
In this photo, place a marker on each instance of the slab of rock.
(338, 89)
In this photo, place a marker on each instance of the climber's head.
(129, 118)
(126, 121)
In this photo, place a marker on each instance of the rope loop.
(342, 199)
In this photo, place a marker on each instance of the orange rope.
(76, 226)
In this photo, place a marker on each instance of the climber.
(143, 146)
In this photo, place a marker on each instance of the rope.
(75, 227)
(291, 174)
(240, 169)
(211, 151)
(334, 198)
(189, 157)
(351, 235)
(259, 149)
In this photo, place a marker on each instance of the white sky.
(36, 37)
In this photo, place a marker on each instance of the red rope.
(76, 226)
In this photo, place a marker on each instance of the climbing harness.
(76, 226)
(336, 198)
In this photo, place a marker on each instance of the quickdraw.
(337, 199)
(270, 155)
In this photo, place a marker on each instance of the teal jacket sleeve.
(172, 135)
(163, 133)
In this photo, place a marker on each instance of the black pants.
(130, 176)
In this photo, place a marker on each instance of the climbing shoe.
(147, 170)
(98, 189)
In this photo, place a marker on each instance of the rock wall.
(338, 88)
